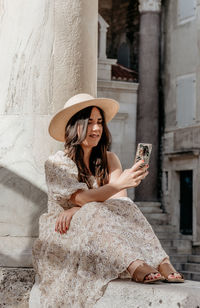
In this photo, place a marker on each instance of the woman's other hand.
(64, 218)
(132, 177)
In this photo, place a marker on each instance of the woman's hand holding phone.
(132, 177)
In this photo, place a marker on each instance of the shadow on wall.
(21, 205)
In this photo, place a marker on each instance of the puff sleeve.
(62, 179)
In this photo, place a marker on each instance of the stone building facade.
(178, 113)
(123, 34)
(181, 138)
(51, 54)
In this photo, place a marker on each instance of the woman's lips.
(94, 136)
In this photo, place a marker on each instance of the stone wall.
(48, 53)
(181, 79)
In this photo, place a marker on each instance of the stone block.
(149, 207)
(166, 242)
(194, 258)
(104, 68)
(170, 250)
(15, 251)
(157, 218)
(15, 287)
(192, 267)
(183, 246)
(178, 258)
(128, 294)
(192, 276)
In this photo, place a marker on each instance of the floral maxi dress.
(103, 239)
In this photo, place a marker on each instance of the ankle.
(165, 260)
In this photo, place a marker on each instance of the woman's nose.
(96, 126)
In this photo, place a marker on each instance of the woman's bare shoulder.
(113, 161)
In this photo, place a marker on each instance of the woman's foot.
(169, 272)
(142, 272)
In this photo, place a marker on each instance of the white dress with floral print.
(103, 239)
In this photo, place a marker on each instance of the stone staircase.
(183, 256)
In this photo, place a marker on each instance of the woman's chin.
(90, 144)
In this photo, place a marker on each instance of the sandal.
(167, 269)
(144, 270)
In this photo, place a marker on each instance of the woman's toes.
(171, 276)
(157, 275)
(175, 275)
(148, 277)
(153, 276)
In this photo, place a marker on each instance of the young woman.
(92, 233)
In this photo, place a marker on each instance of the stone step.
(191, 276)
(183, 245)
(172, 235)
(196, 250)
(166, 235)
(157, 218)
(194, 258)
(188, 267)
(165, 228)
(178, 266)
(149, 204)
(150, 209)
(166, 242)
(128, 294)
(191, 267)
(175, 258)
(173, 250)
(170, 250)
(176, 243)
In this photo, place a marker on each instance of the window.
(186, 100)
(186, 201)
(186, 10)
(124, 55)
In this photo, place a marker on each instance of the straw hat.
(74, 105)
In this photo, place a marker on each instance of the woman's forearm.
(128, 178)
(99, 194)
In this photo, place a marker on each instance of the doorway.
(186, 202)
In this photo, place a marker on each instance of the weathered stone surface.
(15, 286)
(48, 53)
(148, 106)
(181, 142)
(128, 294)
(134, 295)
(15, 251)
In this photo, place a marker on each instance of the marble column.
(148, 102)
(48, 53)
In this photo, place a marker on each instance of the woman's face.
(94, 129)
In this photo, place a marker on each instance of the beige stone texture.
(15, 287)
(128, 294)
(149, 6)
(181, 144)
(48, 53)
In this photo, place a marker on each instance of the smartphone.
(143, 153)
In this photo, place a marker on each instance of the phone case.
(143, 153)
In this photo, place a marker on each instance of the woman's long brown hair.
(98, 159)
